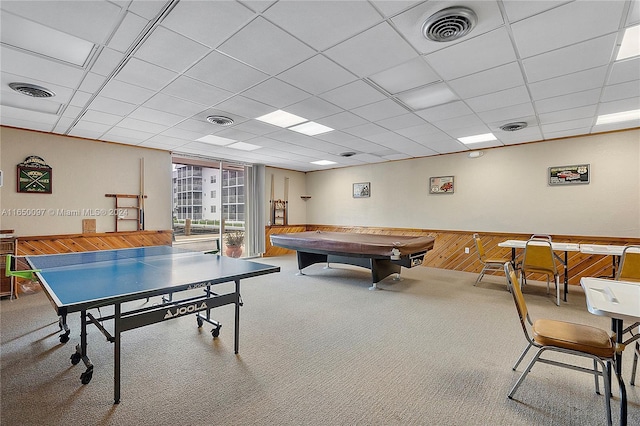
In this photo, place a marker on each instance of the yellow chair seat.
(577, 337)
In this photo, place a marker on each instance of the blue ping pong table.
(78, 282)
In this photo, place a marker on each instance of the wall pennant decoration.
(34, 176)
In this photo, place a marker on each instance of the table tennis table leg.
(62, 323)
(81, 351)
(116, 353)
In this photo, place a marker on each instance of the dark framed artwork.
(441, 185)
(34, 176)
(569, 175)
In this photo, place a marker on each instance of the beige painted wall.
(83, 172)
(505, 190)
(297, 187)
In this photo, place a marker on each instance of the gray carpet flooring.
(318, 349)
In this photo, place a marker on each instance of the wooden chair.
(488, 264)
(629, 270)
(569, 338)
(539, 257)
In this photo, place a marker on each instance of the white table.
(605, 250)
(565, 247)
(620, 301)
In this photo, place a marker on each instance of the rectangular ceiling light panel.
(486, 137)
(36, 38)
(281, 119)
(215, 140)
(630, 46)
(618, 117)
(311, 128)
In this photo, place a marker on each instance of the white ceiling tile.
(342, 120)
(86, 125)
(80, 98)
(92, 82)
(566, 25)
(508, 114)
(171, 104)
(170, 50)
(401, 122)
(459, 126)
(365, 130)
(266, 47)
(112, 106)
(101, 117)
(588, 97)
(621, 105)
(380, 110)
(626, 70)
(518, 9)
(630, 89)
(131, 27)
(503, 98)
(372, 51)
(144, 74)
(196, 91)
(313, 108)
(392, 7)
(421, 132)
(530, 134)
(322, 24)
(473, 55)
(567, 60)
(353, 95)
(317, 75)
(226, 73)
(146, 9)
(409, 75)
(126, 92)
(155, 116)
(574, 82)
(107, 61)
(563, 126)
(442, 112)
(499, 78)
(245, 107)
(276, 93)
(568, 114)
(208, 22)
(141, 125)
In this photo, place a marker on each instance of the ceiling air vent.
(512, 127)
(32, 90)
(449, 24)
(347, 154)
(220, 120)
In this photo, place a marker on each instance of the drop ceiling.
(149, 73)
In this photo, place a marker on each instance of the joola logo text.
(183, 310)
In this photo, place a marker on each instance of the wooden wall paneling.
(51, 244)
(448, 251)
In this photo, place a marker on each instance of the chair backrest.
(629, 264)
(538, 255)
(479, 247)
(518, 297)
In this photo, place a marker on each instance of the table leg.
(237, 322)
(617, 325)
(116, 353)
(566, 275)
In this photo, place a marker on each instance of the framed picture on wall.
(362, 190)
(569, 175)
(441, 185)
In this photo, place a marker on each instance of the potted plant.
(234, 241)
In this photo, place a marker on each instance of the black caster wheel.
(200, 322)
(75, 358)
(64, 338)
(215, 332)
(86, 377)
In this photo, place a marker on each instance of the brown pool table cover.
(349, 242)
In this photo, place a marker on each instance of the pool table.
(382, 254)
